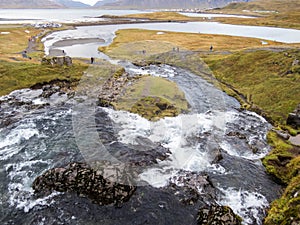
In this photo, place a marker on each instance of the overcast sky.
(90, 2)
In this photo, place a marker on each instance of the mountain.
(6, 4)
(107, 3)
(164, 4)
(72, 4)
(16, 4)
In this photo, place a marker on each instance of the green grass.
(17, 75)
(266, 78)
(283, 162)
(153, 98)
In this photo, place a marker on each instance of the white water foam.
(22, 132)
(180, 135)
(164, 71)
(20, 190)
(22, 170)
(248, 205)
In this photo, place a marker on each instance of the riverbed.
(215, 138)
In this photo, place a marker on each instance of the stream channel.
(39, 132)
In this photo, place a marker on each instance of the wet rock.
(236, 134)
(57, 60)
(282, 134)
(217, 153)
(294, 118)
(85, 181)
(113, 88)
(217, 215)
(192, 187)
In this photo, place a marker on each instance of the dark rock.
(236, 134)
(217, 215)
(162, 106)
(294, 118)
(57, 60)
(192, 187)
(217, 153)
(85, 181)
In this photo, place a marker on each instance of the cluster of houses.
(46, 25)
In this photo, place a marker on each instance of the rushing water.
(38, 133)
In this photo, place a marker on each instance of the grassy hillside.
(267, 79)
(278, 13)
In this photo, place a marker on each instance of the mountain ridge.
(164, 4)
(117, 4)
(38, 4)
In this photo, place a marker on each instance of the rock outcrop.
(294, 118)
(59, 61)
(217, 215)
(80, 178)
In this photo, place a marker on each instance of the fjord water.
(29, 16)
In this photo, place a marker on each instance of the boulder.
(217, 215)
(82, 179)
(294, 118)
(57, 60)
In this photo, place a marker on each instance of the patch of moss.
(153, 98)
(154, 108)
(283, 162)
(278, 161)
(286, 210)
(119, 73)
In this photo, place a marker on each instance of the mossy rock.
(154, 108)
(119, 73)
(283, 161)
(286, 210)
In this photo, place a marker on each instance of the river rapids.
(38, 133)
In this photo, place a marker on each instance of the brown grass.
(130, 43)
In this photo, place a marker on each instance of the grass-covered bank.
(17, 72)
(17, 75)
(130, 43)
(267, 78)
(277, 13)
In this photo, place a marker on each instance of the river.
(107, 32)
(38, 133)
